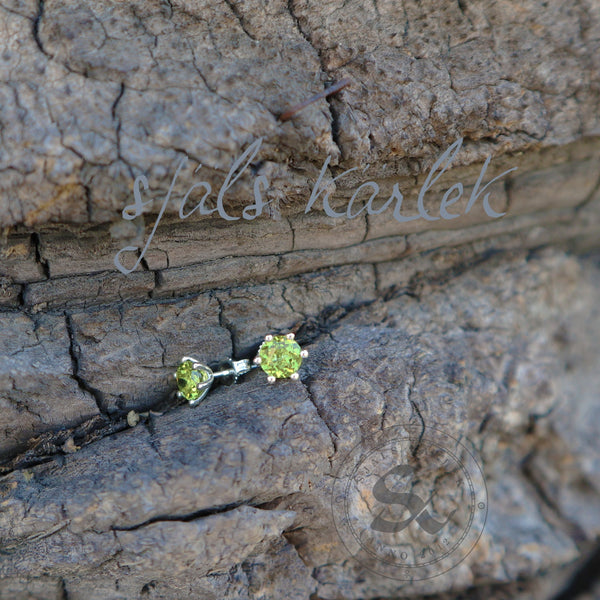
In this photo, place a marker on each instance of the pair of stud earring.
(279, 356)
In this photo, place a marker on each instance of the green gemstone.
(280, 357)
(188, 380)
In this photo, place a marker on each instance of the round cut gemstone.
(188, 380)
(280, 357)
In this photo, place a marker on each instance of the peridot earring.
(279, 356)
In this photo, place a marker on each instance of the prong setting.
(191, 359)
(194, 379)
(279, 356)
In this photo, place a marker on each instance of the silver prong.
(295, 376)
(257, 360)
(290, 336)
(179, 395)
(188, 358)
(197, 365)
(268, 338)
(304, 353)
(175, 375)
(271, 379)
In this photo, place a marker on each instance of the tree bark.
(470, 321)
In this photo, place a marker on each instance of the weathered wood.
(123, 357)
(189, 471)
(115, 90)
(116, 349)
(486, 327)
(38, 389)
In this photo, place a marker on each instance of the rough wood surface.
(505, 353)
(487, 327)
(97, 93)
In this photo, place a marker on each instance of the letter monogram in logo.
(403, 475)
(415, 505)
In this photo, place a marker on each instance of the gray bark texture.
(480, 329)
